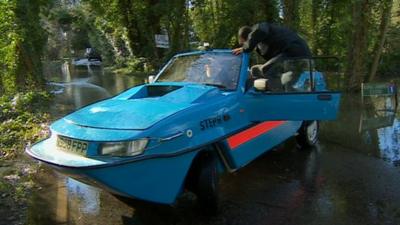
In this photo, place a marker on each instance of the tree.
(384, 27)
(291, 13)
(7, 46)
(22, 44)
(269, 10)
(176, 22)
(124, 30)
(358, 43)
(217, 21)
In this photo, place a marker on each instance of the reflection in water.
(312, 177)
(378, 119)
(369, 127)
(65, 72)
(389, 141)
(61, 202)
(88, 196)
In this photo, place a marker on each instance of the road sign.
(375, 89)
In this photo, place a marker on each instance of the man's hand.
(237, 51)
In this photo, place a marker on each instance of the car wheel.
(308, 134)
(207, 184)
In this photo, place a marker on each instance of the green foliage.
(23, 121)
(389, 66)
(325, 26)
(122, 31)
(217, 22)
(8, 43)
(21, 45)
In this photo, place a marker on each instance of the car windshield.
(215, 69)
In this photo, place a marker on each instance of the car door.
(291, 106)
(297, 90)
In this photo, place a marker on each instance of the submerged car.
(202, 115)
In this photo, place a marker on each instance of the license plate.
(72, 145)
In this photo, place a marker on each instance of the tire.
(308, 134)
(207, 184)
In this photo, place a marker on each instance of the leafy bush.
(23, 121)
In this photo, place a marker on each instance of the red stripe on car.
(251, 133)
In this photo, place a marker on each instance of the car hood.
(136, 110)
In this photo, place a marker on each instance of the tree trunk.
(29, 49)
(127, 20)
(186, 40)
(177, 26)
(316, 4)
(271, 10)
(384, 26)
(357, 49)
(153, 19)
(291, 13)
(328, 50)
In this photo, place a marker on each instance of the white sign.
(162, 41)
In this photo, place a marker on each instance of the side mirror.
(261, 84)
(151, 79)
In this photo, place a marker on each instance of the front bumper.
(156, 179)
(45, 151)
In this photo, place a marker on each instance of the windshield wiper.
(215, 85)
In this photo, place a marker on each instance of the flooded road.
(351, 177)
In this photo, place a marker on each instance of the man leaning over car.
(273, 42)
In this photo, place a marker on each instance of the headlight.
(130, 148)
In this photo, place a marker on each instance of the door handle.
(324, 97)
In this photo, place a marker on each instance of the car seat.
(286, 79)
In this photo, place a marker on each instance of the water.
(371, 128)
(351, 177)
(77, 87)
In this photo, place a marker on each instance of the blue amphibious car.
(203, 114)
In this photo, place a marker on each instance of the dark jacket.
(270, 40)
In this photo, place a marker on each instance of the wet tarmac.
(351, 177)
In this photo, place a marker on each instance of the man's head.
(244, 34)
